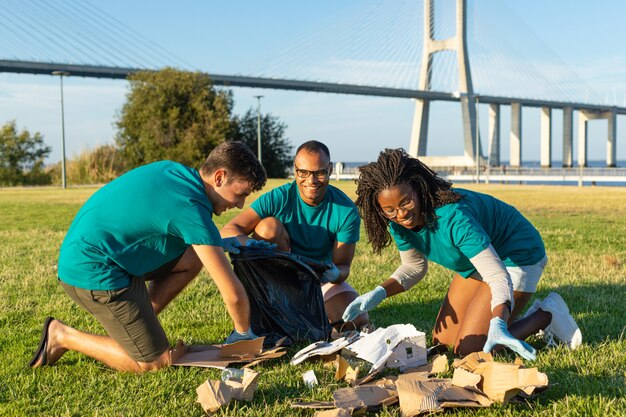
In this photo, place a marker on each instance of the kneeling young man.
(309, 217)
(153, 224)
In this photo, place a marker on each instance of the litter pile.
(477, 380)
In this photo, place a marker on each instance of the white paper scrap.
(378, 346)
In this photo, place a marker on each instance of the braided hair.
(395, 167)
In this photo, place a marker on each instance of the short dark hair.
(239, 162)
(314, 146)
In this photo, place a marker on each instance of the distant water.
(348, 166)
(525, 164)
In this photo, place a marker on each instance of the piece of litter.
(309, 378)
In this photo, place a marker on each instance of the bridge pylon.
(458, 43)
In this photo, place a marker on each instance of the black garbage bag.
(285, 294)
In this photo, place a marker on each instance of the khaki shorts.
(127, 315)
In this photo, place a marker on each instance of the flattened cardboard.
(464, 379)
(312, 404)
(360, 398)
(337, 412)
(454, 397)
(418, 396)
(220, 356)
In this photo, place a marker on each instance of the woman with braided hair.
(497, 255)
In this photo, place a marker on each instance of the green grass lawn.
(585, 235)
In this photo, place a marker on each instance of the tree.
(275, 148)
(172, 114)
(22, 156)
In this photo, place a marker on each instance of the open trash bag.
(285, 295)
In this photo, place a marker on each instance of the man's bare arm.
(241, 225)
(343, 254)
(229, 286)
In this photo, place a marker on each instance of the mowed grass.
(584, 230)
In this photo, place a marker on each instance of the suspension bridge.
(428, 51)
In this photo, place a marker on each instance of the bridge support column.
(583, 119)
(546, 137)
(568, 137)
(494, 135)
(611, 139)
(419, 130)
(515, 159)
(584, 116)
(458, 43)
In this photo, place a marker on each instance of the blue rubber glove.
(261, 244)
(236, 336)
(231, 244)
(364, 303)
(499, 335)
(331, 274)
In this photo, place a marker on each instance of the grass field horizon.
(584, 230)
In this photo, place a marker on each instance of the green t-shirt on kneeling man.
(135, 224)
(313, 230)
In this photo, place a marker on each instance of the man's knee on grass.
(272, 230)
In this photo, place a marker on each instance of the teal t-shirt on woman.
(467, 227)
(135, 224)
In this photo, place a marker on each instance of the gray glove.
(331, 274)
(236, 336)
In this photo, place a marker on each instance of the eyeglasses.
(321, 174)
(393, 213)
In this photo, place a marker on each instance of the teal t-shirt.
(135, 224)
(313, 230)
(467, 227)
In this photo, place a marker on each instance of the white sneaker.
(533, 308)
(563, 326)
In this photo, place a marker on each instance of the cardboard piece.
(465, 379)
(502, 381)
(337, 412)
(214, 394)
(438, 365)
(220, 356)
(343, 370)
(418, 396)
(361, 398)
(243, 390)
(454, 397)
(312, 404)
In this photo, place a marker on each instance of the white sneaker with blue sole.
(563, 326)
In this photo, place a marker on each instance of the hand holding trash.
(331, 274)
(499, 335)
(232, 244)
(260, 244)
(364, 303)
(236, 336)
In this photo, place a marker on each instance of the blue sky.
(244, 36)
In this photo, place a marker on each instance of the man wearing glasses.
(309, 217)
